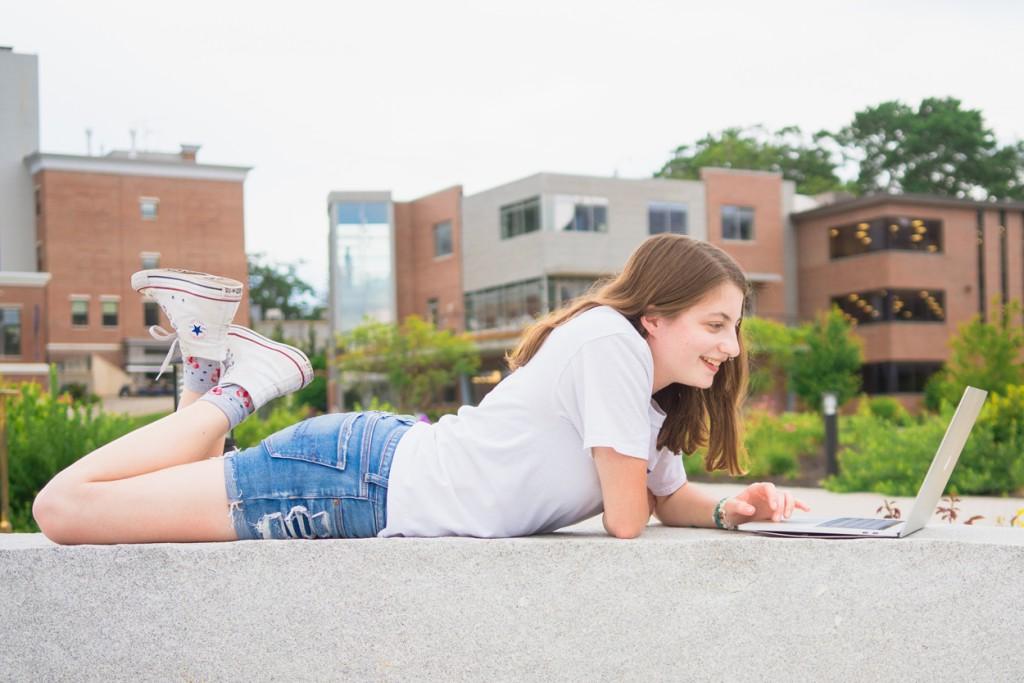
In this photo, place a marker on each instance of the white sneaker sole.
(202, 285)
(297, 357)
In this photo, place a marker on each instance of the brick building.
(907, 269)
(74, 228)
(491, 262)
(99, 219)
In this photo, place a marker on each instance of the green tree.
(939, 148)
(786, 151)
(828, 358)
(770, 347)
(276, 285)
(416, 359)
(987, 355)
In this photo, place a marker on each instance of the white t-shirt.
(520, 462)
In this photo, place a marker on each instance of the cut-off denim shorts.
(325, 477)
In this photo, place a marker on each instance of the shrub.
(773, 443)
(885, 457)
(884, 408)
(45, 435)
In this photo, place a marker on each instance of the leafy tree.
(275, 285)
(987, 355)
(828, 359)
(770, 347)
(808, 164)
(939, 148)
(416, 359)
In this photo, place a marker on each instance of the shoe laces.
(160, 334)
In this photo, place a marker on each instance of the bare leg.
(186, 399)
(144, 486)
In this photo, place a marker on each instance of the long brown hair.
(666, 275)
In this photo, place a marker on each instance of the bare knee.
(55, 511)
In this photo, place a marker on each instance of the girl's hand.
(761, 502)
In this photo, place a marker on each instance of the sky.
(414, 97)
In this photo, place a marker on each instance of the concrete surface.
(676, 604)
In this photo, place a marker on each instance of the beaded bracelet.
(719, 516)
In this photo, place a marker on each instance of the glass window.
(737, 222)
(79, 312)
(511, 306)
(562, 290)
(148, 207)
(10, 331)
(443, 239)
(520, 218)
(903, 233)
(150, 313)
(364, 275)
(580, 214)
(108, 313)
(908, 377)
(892, 305)
(666, 217)
(432, 312)
(150, 260)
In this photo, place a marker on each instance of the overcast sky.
(413, 97)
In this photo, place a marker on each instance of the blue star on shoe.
(197, 330)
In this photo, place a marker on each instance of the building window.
(148, 207)
(79, 312)
(737, 223)
(10, 331)
(150, 259)
(108, 313)
(150, 313)
(902, 233)
(666, 217)
(520, 218)
(562, 290)
(363, 253)
(443, 239)
(432, 312)
(892, 305)
(39, 200)
(897, 378)
(580, 214)
(511, 306)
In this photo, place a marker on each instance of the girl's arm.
(624, 490)
(690, 506)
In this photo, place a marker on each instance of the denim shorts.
(325, 477)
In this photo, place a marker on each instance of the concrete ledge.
(675, 604)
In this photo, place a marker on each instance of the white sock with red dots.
(233, 401)
(201, 374)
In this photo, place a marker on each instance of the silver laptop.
(927, 497)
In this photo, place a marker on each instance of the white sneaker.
(199, 306)
(265, 368)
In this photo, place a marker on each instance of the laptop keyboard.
(860, 523)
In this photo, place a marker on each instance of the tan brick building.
(909, 270)
(98, 220)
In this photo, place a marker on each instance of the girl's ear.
(650, 323)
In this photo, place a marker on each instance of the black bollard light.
(828, 406)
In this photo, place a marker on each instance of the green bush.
(45, 435)
(773, 443)
(884, 408)
(885, 457)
